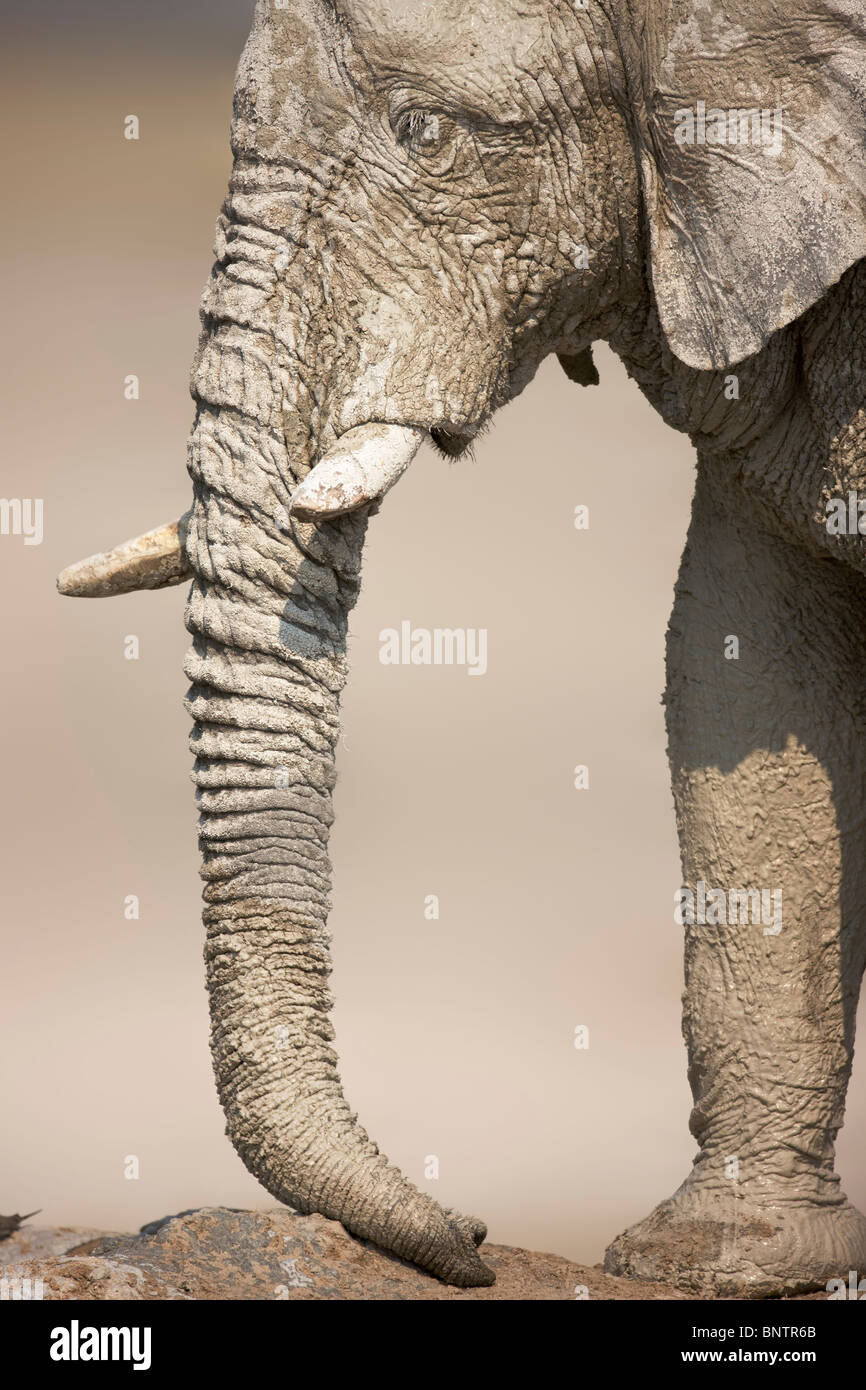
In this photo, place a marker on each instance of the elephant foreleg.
(766, 711)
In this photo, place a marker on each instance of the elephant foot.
(726, 1243)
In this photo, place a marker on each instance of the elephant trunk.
(268, 616)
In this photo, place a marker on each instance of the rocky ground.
(216, 1253)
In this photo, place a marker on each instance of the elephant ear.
(751, 218)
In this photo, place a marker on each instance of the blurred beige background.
(555, 905)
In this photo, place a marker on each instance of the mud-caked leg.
(766, 710)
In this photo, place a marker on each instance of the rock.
(217, 1253)
(37, 1242)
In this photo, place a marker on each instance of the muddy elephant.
(428, 197)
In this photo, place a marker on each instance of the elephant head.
(426, 200)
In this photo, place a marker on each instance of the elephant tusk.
(152, 561)
(363, 464)
(361, 467)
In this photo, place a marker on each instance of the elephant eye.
(422, 133)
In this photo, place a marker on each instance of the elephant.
(428, 198)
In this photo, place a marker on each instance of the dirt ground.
(217, 1253)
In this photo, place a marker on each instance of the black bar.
(817, 1336)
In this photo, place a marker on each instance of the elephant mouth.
(451, 443)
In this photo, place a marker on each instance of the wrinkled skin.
(428, 199)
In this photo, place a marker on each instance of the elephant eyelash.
(420, 131)
(427, 137)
